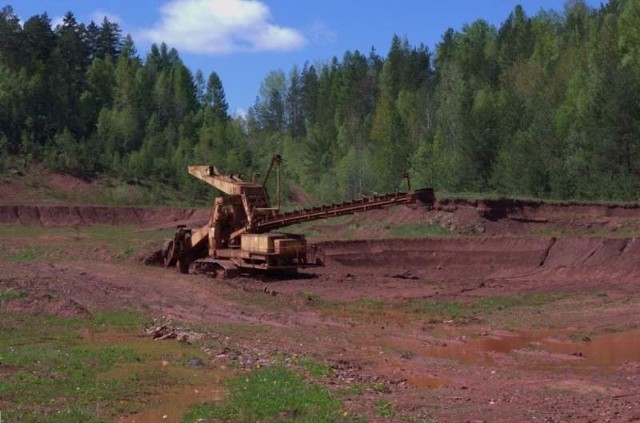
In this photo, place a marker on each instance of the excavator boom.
(282, 220)
(315, 213)
(229, 184)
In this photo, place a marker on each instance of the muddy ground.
(521, 312)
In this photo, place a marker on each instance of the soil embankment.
(573, 260)
(98, 215)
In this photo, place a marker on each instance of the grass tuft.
(11, 294)
(271, 394)
(121, 319)
(483, 307)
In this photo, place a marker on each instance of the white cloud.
(221, 26)
(99, 15)
(56, 21)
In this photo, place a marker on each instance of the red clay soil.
(99, 215)
(369, 313)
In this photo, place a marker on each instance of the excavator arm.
(229, 184)
(281, 220)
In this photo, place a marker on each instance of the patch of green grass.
(11, 294)
(272, 394)
(25, 329)
(483, 307)
(30, 243)
(490, 305)
(317, 370)
(310, 296)
(28, 254)
(441, 309)
(418, 230)
(122, 319)
(76, 370)
(56, 378)
(384, 408)
(369, 304)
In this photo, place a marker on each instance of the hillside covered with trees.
(545, 105)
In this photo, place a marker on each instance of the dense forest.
(545, 106)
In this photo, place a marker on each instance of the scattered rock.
(196, 363)
(167, 332)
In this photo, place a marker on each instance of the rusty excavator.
(238, 237)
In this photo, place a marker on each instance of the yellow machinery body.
(238, 238)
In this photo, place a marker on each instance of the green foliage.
(544, 106)
(270, 394)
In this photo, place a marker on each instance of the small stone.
(196, 363)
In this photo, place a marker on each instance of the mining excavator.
(238, 237)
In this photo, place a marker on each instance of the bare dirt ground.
(525, 312)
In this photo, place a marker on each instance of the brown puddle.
(172, 404)
(531, 349)
(602, 350)
(429, 382)
(610, 349)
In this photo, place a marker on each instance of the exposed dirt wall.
(491, 257)
(527, 210)
(97, 215)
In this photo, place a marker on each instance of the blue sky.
(242, 40)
